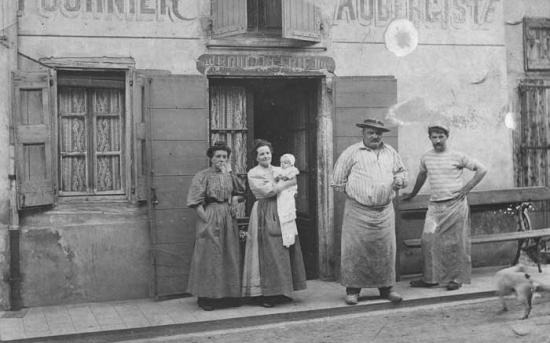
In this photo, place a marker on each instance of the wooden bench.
(493, 238)
(519, 236)
(504, 196)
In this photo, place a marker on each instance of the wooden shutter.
(139, 166)
(301, 20)
(34, 138)
(532, 143)
(229, 18)
(358, 98)
(177, 140)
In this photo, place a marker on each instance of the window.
(536, 44)
(264, 16)
(74, 135)
(91, 109)
(293, 19)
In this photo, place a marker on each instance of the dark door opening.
(282, 111)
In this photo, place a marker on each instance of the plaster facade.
(463, 72)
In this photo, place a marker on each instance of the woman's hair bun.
(220, 144)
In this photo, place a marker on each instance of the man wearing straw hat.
(369, 173)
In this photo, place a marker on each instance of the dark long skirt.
(215, 268)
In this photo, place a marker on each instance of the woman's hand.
(201, 212)
(234, 206)
(225, 167)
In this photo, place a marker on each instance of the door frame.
(324, 217)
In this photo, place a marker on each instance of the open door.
(303, 129)
(176, 140)
(285, 112)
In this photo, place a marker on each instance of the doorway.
(282, 111)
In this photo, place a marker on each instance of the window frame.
(229, 19)
(261, 14)
(124, 65)
(82, 80)
(127, 189)
(531, 44)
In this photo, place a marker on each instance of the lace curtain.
(228, 123)
(91, 122)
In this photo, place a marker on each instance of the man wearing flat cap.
(369, 173)
(446, 236)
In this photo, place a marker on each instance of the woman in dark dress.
(271, 270)
(215, 276)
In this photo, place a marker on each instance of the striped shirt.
(367, 176)
(445, 172)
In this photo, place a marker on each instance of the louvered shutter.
(139, 167)
(34, 138)
(229, 18)
(301, 20)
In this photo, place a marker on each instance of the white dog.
(516, 280)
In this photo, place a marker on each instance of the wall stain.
(417, 111)
(49, 270)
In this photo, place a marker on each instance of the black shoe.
(265, 302)
(205, 304)
(232, 302)
(421, 283)
(280, 299)
(453, 286)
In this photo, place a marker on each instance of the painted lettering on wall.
(434, 14)
(236, 63)
(122, 10)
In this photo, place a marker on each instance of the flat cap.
(439, 126)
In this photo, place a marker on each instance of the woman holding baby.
(215, 275)
(271, 270)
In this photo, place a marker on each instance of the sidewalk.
(143, 318)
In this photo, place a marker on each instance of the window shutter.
(34, 138)
(139, 165)
(301, 20)
(229, 18)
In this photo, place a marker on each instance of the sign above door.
(276, 65)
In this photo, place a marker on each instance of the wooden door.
(176, 140)
(303, 135)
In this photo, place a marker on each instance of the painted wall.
(514, 13)
(8, 63)
(85, 253)
(456, 73)
(166, 37)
